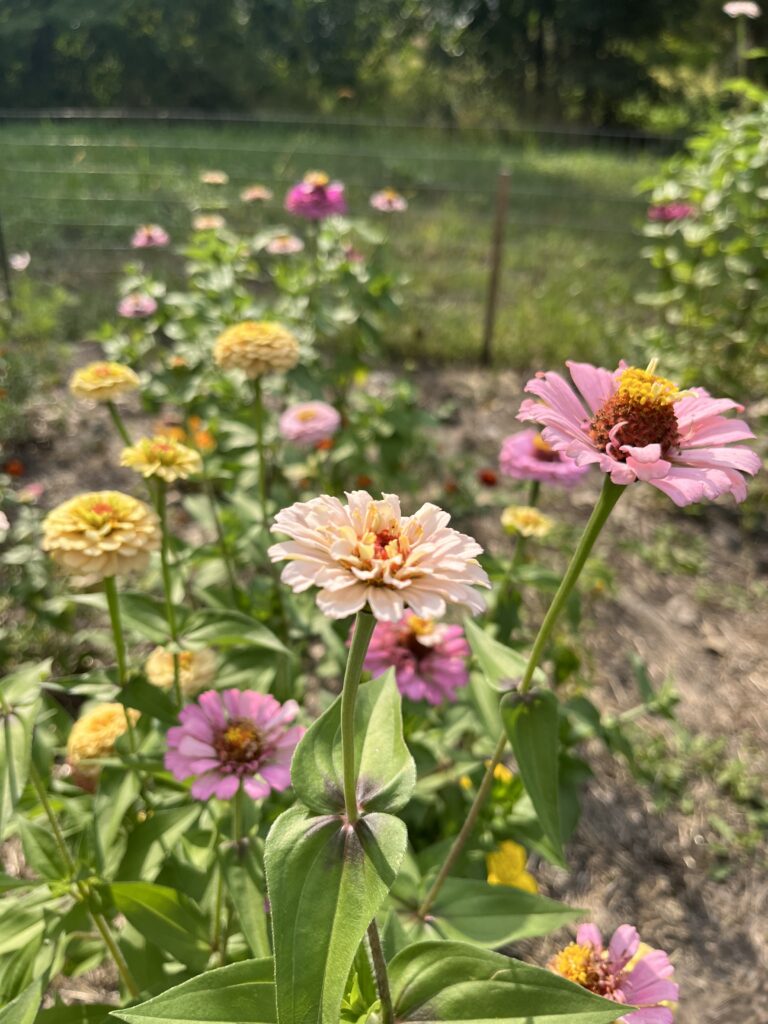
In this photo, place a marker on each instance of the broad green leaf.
(492, 915)
(142, 615)
(40, 849)
(384, 767)
(246, 887)
(165, 917)
(151, 841)
(532, 724)
(16, 731)
(23, 685)
(117, 791)
(441, 982)
(239, 993)
(7, 882)
(24, 1007)
(502, 666)
(90, 1013)
(231, 629)
(149, 700)
(21, 921)
(326, 880)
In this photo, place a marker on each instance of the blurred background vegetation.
(645, 64)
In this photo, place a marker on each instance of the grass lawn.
(71, 192)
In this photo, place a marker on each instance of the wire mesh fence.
(73, 189)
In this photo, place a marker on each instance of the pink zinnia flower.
(666, 212)
(136, 306)
(284, 245)
(4, 523)
(208, 222)
(637, 426)
(366, 552)
(19, 260)
(214, 177)
(742, 8)
(429, 658)
(233, 738)
(256, 194)
(316, 197)
(309, 422)
(527, 456)
(388, 201)
(618, 973)
(150, 236)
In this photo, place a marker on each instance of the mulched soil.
(630, 862)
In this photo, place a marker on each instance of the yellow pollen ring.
(575, 963)
(645, 388)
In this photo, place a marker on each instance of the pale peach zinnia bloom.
(367, 552)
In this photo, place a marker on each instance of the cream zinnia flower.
(94, 735)
(162, 457)
(526, 521)
(102, 533)
(366, 552)
(102, 382)
(196, 669)
(256, 347)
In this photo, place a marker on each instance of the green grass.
(72, 192)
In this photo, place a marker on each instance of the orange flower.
(14, 467)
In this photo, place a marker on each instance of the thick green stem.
(258, 411)
(113, 603)
(237, 816)
(170, 608)
(379, 962)
(117, 419)
(609, 495)
(98, 919)
(361, 637)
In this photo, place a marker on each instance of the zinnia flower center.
(542, 451)
(305, 415)
(240, 742)
(99, 514)
(588, 968)
(316, 179)
(641, 412)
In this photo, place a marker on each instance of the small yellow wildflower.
(526, 521)
(93, 736)
(162, 457)
(506, 866)
(196, 669)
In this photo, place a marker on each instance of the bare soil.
(706, 630)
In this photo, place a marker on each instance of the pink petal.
(623, 945)
(204, 787)
(227, 787)
(589, 935)
(278, 776)
(256, 789)
(596, 384)
(651, 1015)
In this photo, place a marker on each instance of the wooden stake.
(497, 252)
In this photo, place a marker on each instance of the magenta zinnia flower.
(637, 426)
(366, 552)
(527, 456)
(233, 738)
(135, 306)
(666, 212)
(150, 236)
(309, 422)
(618, 973)
(429, 658)
(316, 197)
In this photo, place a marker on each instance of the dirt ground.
(706, 630)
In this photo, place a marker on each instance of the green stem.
(258, 409)
(117, 419)
(98, 919)
(165, 561)
(379, 963)
(361, 637)
(237, 816)
(226, 555)
(609, 495)
(518, 555)
(113, 603)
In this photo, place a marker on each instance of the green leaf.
(492, 915)
(449, 981)
(231, 629)
(532, 724)
(502, 666)
(384, 767)
(24, 1007)
(16, 731)
(150, 841)
(91, 1013)
(165, 917)
(229, 995)
(117, 791)
(142, 615)
(40, 850)
(326, 880)
(246, 886)
(149, 700)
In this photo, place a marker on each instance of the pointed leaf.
(532, 725)
(502, 666)
(449, 981)
(326, 880)
(40, 850)
(165, 917)
(89, 1013)
(16, 730)
(385, 769)
(228, 995)
(246, 887)
(23, 1009)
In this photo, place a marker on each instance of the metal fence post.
(497, 252)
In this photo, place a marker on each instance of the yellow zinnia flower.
(526, 521)
(102, 382)
(506, 866)
(196, 669)
(94, 735)
(256, 348)
(162, 457)
(101, 534)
